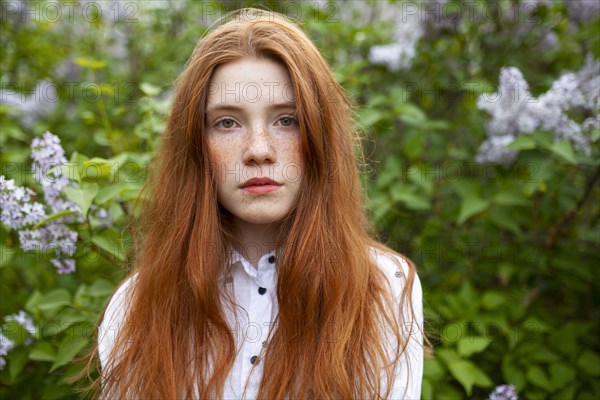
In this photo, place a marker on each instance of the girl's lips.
(261, 189)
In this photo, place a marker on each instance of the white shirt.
(254, 290)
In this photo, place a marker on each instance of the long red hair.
(334, 301)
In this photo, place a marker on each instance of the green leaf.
(68, 349)
(447, 355)
(511, 197)
(17, 359)
(432, 368)
(492, 300)
(64, 213)
(370, 116)
(101, 288)
(469, 375)
(564, 149)
(469, 207)
(407, 195)
(110, 192)
(97, 169)
(427, 389)
(82, 196)
(539, 378)
(470, 345)
(523, 142)
(34, 299)
(54, 299)
(149, 89)
(561, 374)
(512, 373)
(110, 246)
(42, 351)
(589, 363)
(503, 218)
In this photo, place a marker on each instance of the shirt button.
(262, 290)
(272, 259)
(253, 360)
(398, 274)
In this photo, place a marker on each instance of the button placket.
(260, 313)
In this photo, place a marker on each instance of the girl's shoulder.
(114, 317)
(398, 271)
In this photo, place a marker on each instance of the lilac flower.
(408, 29)
(583, 11)
(26, 322)
(63, 265)
(504, 392)
(17, 208)
(31, 108)
(53, 236)
(47, 155)
(18, 212)
(515, 111)
(494, 150)
(103, 216)
(6, 345)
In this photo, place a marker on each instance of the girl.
(257, 276)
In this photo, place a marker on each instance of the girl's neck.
(254, 240)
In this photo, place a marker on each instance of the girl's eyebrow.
(288, 105)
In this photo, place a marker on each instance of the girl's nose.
(259, 147)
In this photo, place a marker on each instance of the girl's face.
(254, 139)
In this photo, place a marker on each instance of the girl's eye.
(226, 123)
(287, 121)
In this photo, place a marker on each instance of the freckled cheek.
(218, 152)
(290, 152)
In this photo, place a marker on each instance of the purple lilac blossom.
(18, 212)
(48, 154)
(17, 208)
(504, 392)
(103, 216)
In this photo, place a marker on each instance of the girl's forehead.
(251, 81)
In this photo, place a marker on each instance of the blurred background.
(480, 120)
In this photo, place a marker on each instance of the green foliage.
(507, 254)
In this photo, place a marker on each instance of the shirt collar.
(266, 273)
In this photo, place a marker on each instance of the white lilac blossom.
(6, 345)
(504, 392)
(515, 111)
(33, 107)
(16, 205)
(583, 11)
(23, 319)
(408, 29)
